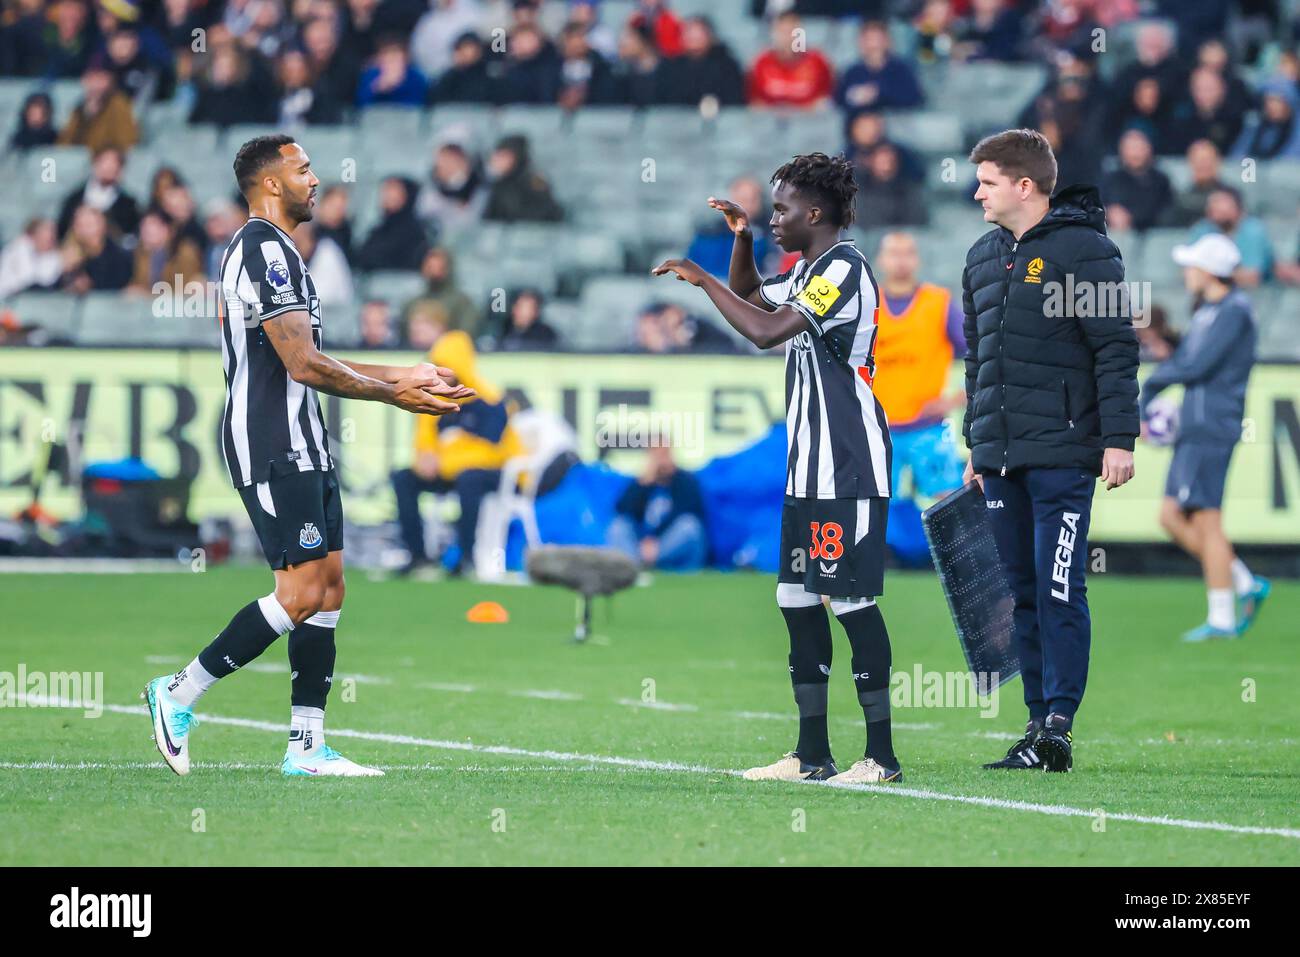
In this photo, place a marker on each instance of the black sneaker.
(1055, 746)
(1021, 756)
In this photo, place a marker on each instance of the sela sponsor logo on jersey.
(993, 503)
(74, 910)
(1064, 556)
(309, 537)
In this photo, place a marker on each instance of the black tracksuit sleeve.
(1115, 354)
(970, 330)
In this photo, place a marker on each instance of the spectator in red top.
(662, 24)
(789, 74)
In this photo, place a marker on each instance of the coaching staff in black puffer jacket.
(1051, 403)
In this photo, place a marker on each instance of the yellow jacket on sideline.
(477, 437)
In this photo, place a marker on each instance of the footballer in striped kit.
(824, 310)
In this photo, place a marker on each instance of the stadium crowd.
(1183, 95)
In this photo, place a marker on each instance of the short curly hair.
(828, 180)
(255, 155)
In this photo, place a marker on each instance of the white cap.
(1214, 252)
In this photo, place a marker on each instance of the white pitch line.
(543, 694)
(1062, 810)
(446, 686)
(645, 764)
(246, 766)
(656, 705)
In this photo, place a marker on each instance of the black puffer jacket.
(1051, 374)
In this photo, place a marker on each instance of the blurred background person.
(377, 329)
(919, 335)
(162, 256)
(659, 520)
(463, 453)
(35, 123)
(103, 190)
(398, 240)
(1212, 364)
(92, 259)
(31, 260)
(526, 330)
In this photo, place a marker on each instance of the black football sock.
(311, 659)
(810, 669)
(871, 662)
(253, 629)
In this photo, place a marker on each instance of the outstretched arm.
(291, 337)
(761, 327)
(393, 374)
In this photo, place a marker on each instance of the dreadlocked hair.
(828, 180)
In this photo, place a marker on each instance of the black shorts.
(834, 546)
(1198, 473)
(298, 517)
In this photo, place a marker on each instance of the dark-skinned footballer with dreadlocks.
(837, 467)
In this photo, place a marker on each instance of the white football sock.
(1242, 580)
(306, 730)
(1223, 613)
(190, 683)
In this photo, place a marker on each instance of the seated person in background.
(377, 330)
(519, 194)
(1225, 213)
(161, 256)
(879, 80)
(885, 196)
(1136, 194)
(525, 330)
(31, 259)
(463, 454)
(711, 247)
(788, 73)
(92, 260)
(660, 520)
(667, 327)
(426, 320)
(439, 271)
(1157, 340)
(398, 240)
(1203, 162)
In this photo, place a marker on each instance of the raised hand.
(737, 218)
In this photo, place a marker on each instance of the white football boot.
(867, 771)
(791, 767)
(325, 762)
(172, 722)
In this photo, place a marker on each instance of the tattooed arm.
(290, 334)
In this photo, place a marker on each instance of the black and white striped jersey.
(272, 424)
(836, 432)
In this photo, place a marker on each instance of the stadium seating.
(633, 183)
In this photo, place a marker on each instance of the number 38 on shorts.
(834, 546)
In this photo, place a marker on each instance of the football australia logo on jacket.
(1033, 272)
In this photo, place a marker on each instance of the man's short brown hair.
(1019, 153)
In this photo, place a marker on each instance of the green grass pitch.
(503, 742)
